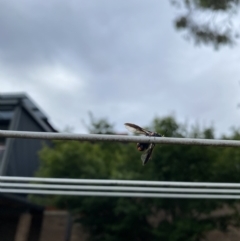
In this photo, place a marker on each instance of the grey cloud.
(132, 62)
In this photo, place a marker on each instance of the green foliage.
(100, 126)
(214, 4)
(208, 22)
(114, 219)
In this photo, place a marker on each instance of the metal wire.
(131, 191)
(119, 182)
(119, 194)
(137, 188)
(117, 138)
(117, 188)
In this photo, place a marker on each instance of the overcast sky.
(122, 60)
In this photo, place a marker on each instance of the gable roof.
(11, 101)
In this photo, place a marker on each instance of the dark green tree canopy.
(117, 219)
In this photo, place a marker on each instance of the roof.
(9, 102)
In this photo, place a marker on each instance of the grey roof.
(10, 101)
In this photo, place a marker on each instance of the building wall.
(55, 227)
(23, 160)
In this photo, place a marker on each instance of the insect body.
(146, 147)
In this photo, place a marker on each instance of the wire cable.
(119, 194)
(119, 182)
(117, 138)
(117, 188)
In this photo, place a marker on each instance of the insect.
(147, 148)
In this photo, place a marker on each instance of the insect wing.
(136, 129)
(147, 155)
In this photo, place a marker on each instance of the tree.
(208, 21)
(99, 126)
(114, 219)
